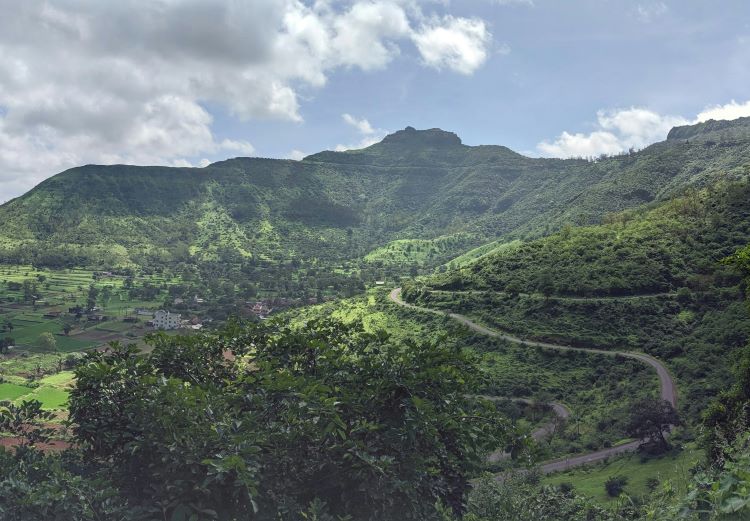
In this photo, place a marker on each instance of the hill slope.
(341, 205)
(649, 279)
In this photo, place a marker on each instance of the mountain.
(648, 279)
(414, 185)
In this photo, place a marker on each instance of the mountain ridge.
(415, 184)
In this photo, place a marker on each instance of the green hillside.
(334, 206)
(649, 279)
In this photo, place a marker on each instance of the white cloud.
(459, 44)
(650, 12)
(731, 110)
(362, 125)
(370, 135)
(128, 81)
(296, 155)
(363, 143)
(617, 131)
(581, 145)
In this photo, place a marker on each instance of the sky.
(189, 82)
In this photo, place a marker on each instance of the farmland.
(36, 301)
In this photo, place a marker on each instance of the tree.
(47, 342)
(373, 428)
(67, 328)
(91, 299)
(26, 422)
(650, 420)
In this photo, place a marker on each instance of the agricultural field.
(35, 302)
(43, 377)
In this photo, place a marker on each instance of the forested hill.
(650, 279)
(341, 205)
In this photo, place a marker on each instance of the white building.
(166, 320)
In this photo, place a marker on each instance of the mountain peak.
(433, 137)
(711, 127)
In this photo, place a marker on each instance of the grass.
(589, 481)
(12, 391)
(61, 379)
(52, 398)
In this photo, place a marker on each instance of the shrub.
(615, 485)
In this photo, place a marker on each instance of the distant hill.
(414, 185)
(649, 279)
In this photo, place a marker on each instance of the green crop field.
(12, 391)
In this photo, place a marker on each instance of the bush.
(615, 485)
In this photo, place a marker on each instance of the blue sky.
(186, 82)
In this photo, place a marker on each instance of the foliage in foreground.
(264, 422)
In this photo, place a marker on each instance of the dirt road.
(666, 382)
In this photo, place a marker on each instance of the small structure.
(166, 320)
(261, 310)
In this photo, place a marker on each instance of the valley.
(417, 297)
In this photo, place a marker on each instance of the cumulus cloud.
(369, 134)
(296, 155)
(458, 44)
(362, 125)
(731, 110)
(619, 130)
(129, 81)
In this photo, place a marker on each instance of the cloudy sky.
(187, 82)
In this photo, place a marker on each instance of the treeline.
(674, 245)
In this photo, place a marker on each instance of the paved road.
(668, 388)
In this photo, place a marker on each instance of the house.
(144, 312)
(198, 300)
(166, 320)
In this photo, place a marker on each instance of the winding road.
(667, 385)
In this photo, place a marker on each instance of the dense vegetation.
(599, 390)
(649, 279)
(267, 218)
(263, 422)
(321, 414)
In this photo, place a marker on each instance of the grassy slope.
(673, 467)
(594, 387)
(674, 247)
